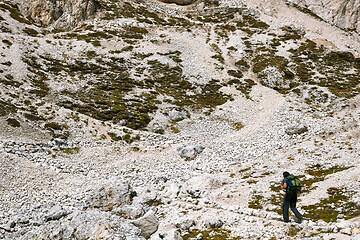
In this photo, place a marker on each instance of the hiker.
(289, 199)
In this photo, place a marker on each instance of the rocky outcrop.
(175, 115)
(343, 13)
(110, 197)
(190, 151)
(273, 78)
(86, 225)
(63, 14)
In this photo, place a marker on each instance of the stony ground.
(218, 185)
(194, 173)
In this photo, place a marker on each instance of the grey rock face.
(148, 224)
(190, 151)
(64, 14)
(343, 13)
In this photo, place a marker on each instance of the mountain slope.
(99, 107)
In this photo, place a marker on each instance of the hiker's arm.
(284, 186)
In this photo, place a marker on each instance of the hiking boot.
(299, 220)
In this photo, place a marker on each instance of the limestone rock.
(51, 231)
(171, 191)
(149, 197)
(129, 212)
(343, 13)
(64, 14)
(190, 151)
(59, 142)
(185, 224)
(173, 234)
(148, 224)
(109, 197)
(86, 225)
(273, 78)
(346, 231)
(213, 223)
(296, 129)
(56, 213)
(176, 115)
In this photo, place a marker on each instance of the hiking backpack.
(294, 183)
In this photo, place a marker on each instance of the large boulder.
(273, 78)
(148, 224)
(296, 129)
(109, 197)
(175, 115)
(190, 151)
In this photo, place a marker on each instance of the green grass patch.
(238, 126)
(306, 11)
(211, 234)
(6, 108)
(55, 126)
(256, 201)
(7, 42)
(71, 150)
(31, 32)
(318, 174)
(328, 209)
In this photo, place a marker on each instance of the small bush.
(55, 126)
(13, 122)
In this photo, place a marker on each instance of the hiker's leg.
(285, 206)
(293, 206)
